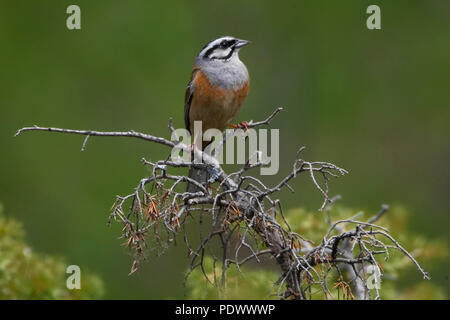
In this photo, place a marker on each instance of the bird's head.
(224, 49)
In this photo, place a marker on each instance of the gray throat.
(227, 74)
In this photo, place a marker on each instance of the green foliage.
(374, 101)
(249, 284)
(257, 282)
(25, 274)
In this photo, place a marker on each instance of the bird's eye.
(224, 44)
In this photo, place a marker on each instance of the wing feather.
(189, 95)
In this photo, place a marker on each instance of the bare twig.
(245, 216)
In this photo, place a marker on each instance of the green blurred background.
(375, 102)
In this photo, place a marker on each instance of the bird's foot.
(240, 125)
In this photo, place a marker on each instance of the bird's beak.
(240, 43)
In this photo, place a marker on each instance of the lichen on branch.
(246, 217)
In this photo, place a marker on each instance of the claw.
(240, 125)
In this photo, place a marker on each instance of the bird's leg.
(194, 144)
(240, 125)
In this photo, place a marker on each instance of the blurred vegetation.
(373, 102)
(26, 274)
(257, 282)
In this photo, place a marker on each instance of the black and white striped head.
(223, 48)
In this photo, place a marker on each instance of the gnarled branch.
(243, 211)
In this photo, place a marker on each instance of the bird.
(217, 89)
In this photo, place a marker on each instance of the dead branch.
(244, 214)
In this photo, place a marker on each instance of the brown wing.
(189, 95)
